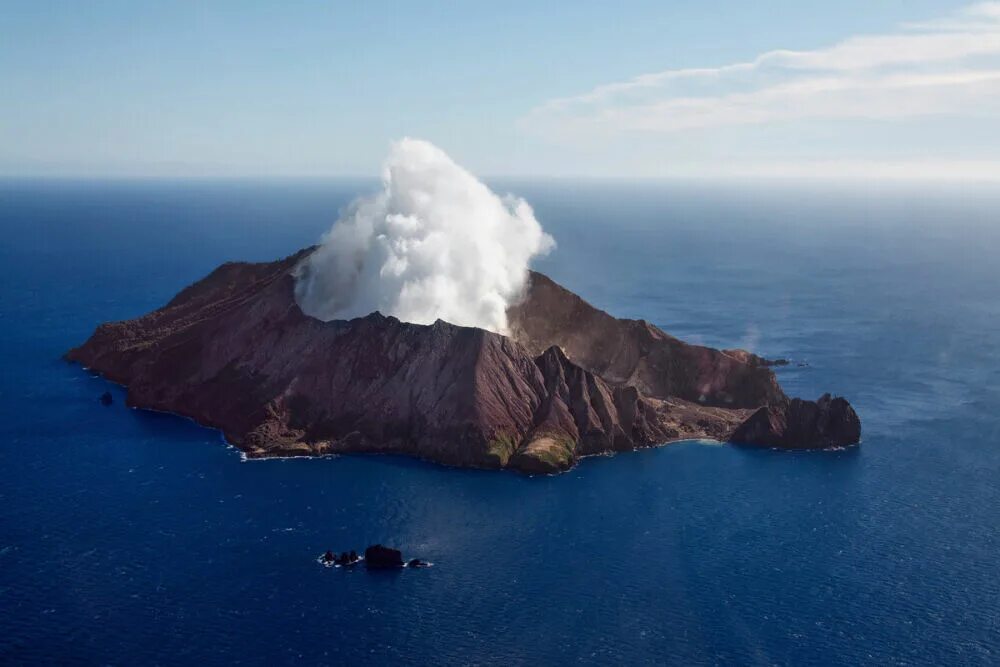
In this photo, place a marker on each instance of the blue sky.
(625, 89)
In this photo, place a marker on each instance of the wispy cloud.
(948, 66)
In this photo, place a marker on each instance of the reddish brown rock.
(797, 424)
(636, 353)
(235, 352)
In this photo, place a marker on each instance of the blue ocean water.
(128, 537)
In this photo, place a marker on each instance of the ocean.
(130, 537)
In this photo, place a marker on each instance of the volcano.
(235, 352)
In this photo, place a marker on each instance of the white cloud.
(936, 170)
(949, 66)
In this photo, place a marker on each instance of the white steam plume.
(434, 243)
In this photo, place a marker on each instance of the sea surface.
(128, 537)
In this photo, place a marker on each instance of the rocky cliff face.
(798, 424)
(235, 352)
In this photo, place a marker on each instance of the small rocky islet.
(235, 352)
(377, 557)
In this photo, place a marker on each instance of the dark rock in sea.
(235, 352)
(329, 557)
(378, 556)
(416, 562)
(798, 424)
(107, 398)
(345, 558)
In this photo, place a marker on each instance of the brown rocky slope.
(235, 352)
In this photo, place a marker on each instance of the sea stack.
(380, 557)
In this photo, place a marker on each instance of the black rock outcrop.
(381, 557)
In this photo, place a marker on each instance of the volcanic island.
(235, 352)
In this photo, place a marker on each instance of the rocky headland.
(235, 352)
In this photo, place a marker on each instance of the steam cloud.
(434, 243)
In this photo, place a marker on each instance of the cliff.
(235, 352)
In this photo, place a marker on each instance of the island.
(235, 352)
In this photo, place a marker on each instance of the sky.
(686, 88)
